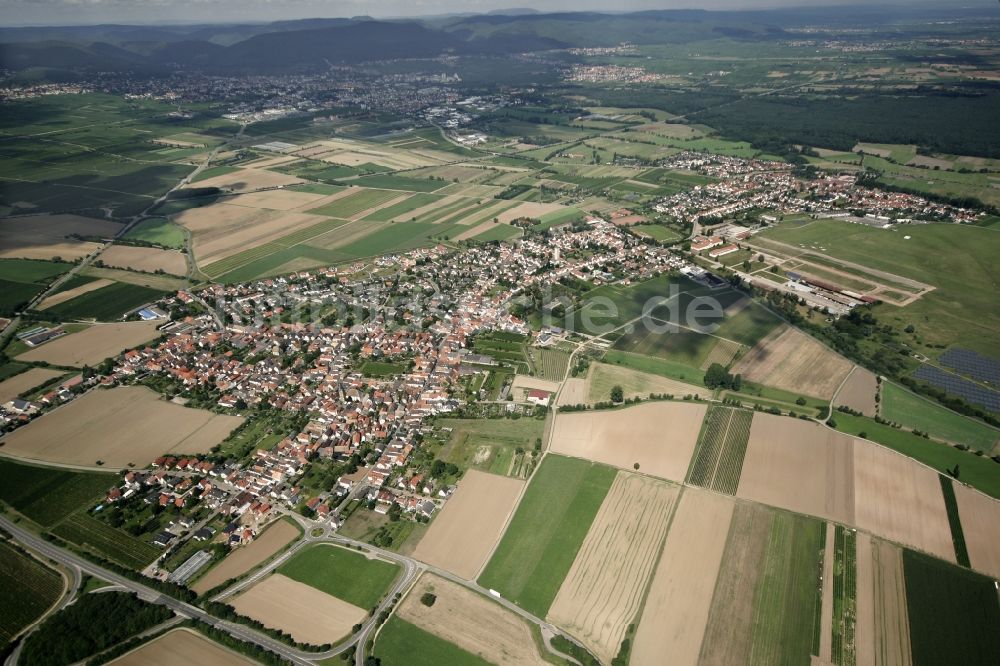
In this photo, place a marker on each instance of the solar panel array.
(963, 388)
(970, 363)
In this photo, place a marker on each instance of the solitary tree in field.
(635, 466)
(617, 394)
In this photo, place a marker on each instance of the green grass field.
(543, 538)
(785, 600)
(382, 369)
(656, 366)
(403, 644)
(158, 231)
(345, 574)
(390, 182)
(46, 495)
(23, 279)
(979, 472)
(486, 443)
(657, 232)
(953, 613)
(901, 406)
(27, 589)
(957, 258)
(684, 347)
(498, 232)
(105, 304)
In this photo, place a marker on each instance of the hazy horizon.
(43, 13)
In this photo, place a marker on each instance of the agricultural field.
(686, 569)
(76, 285)
(159, 232)
(953, 613)
(766, 603)
(24, 382)
(489, 445)
(357, 202)
(101, 426)
(244, 559)
(603, 591)
(469, 621)
(91, 534)
(859, 392)
(181, 647)
(302, 611)
(47, 236)
(462, 535)
(844, 592)
(721, 448)
(47, 495)
(27, 590)
(882, 628)
(401, 643)
(93, 344)
(603, 377)
(23, 279)
(634, 435)
(551, 364)
(145, 259)
(801, 466)
(979, 517)
(545, 534)
(793, 361)
(105, 304)
(902, 406)
(345, 574)
(978, 472)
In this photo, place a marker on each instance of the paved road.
(183, 609)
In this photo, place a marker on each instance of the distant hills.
(300, 45)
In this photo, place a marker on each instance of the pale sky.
(76, 12)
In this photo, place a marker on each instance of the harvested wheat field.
(980, 516)
(245, 558)
(18, 384)
(677, 607)
(70, 294)
(603, 591)
(182, 647)
(801, 466)
(660, 436)
(603, 377)
(308, 615)
(94, 343)
(145, 259)
(574, 392)
(791, 360)
(46, 236)
(463, 534)
(119, 426)
(883, 627)
(899, 499)
(280, 199)
(471, 621)
(858, 392)
(245, 180)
